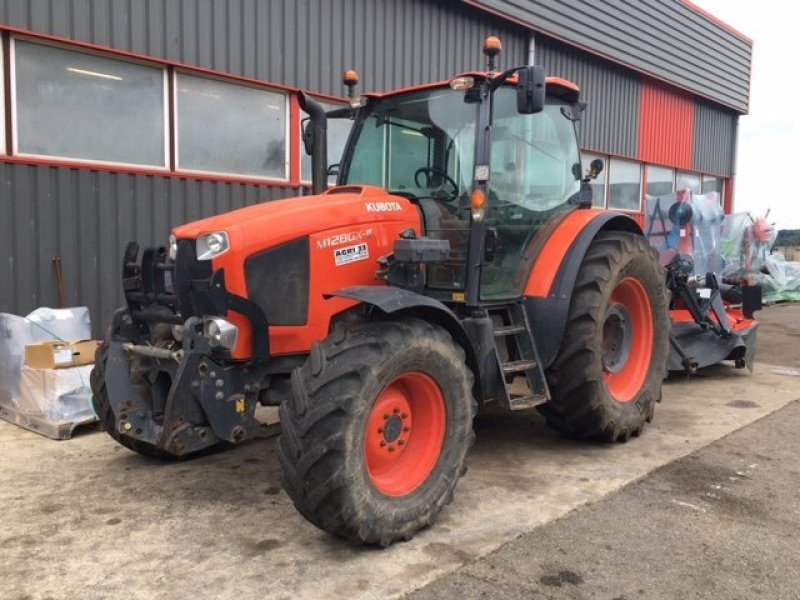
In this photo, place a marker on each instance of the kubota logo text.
(383, 207)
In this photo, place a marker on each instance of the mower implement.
(457, 265)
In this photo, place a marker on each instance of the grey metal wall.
(303, 43)
(86, 218)
(665, 38)
(714, 139)
(611, 120)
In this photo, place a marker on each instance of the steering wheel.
(429, 172)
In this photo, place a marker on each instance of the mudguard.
(554, 271)
(394, 300)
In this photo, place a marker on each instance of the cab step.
(509, 330)
(525, 402)
(517, 366)
(517, 355)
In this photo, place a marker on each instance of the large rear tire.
(376, 431)
(607, 375)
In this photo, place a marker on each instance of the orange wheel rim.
(628, 335)
(405, 434)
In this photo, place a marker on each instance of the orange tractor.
(457, 253)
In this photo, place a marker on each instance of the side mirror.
(333, 174)
(530, 90)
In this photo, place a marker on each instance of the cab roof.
(555, 86)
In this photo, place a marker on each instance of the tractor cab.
(421, 145)
(482, 159)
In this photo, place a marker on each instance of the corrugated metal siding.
(665, 38)
(714, 139)
(86, 218)
(303, 43)
(666, 129)
(611, 121)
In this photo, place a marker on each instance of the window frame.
(606, 163)
(165, 168)
(3, 150)
(723, 181)
(646, 177)
(610, 171)
(175, 141)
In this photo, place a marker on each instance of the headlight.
(212, 245)
(220, 333)
(172, 250)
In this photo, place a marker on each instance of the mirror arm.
(319, 148)
(496, 82)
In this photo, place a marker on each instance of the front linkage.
(165, 384)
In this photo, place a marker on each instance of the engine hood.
(304, 215)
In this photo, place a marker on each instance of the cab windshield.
(422, 146)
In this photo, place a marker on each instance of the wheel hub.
(392, 428)
(616, 338)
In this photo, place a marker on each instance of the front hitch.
(181, 401)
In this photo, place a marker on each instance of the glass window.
(714, 184)
(659, 180)
(624, 184)
(688, 181)
(599, 184)
(229, 128)
(88, 107)
(338, 131)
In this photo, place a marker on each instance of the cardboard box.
(59, 355)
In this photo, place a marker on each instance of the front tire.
(607, 376)
(376, 431)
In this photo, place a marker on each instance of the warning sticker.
(350, 254)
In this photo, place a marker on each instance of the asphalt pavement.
(722, 522)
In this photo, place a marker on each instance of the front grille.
(278, 281)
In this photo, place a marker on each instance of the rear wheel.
(375, 434)
(607, 376)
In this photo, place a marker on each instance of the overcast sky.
(768, 164)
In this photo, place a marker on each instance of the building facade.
(122, 118)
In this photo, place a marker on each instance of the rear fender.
(397, 301)
(552, 278)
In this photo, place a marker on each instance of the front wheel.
(607, 376)
(376, 432)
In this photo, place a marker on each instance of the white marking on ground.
(689, 505)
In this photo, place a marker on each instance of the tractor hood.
(288, 219)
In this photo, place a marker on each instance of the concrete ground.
(536, 516)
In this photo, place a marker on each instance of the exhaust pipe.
(315, 139)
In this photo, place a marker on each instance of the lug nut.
(383, 443)
(380, 429)
(391, 448)
(386, 417)
(397, 411)
(401, 442)
(404, 416)
(406, 429)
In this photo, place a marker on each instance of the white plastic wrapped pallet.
(50, 402)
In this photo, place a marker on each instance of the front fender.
(398, 301)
